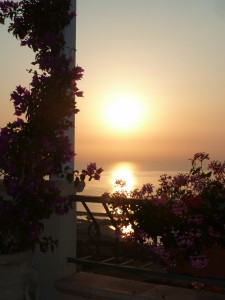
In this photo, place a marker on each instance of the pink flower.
(178, 209)
(185, 240)
(97, 176)
(78, 73)
(72, 14)
(201, 156)
(79, 94)
(218, 169)
(195, 219)
(212, 232)
(181, 180)
(163, 254)
(199, 261)
(91, 168)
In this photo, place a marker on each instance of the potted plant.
(35, 146)
(183, 220)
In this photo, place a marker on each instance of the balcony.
(102, 256)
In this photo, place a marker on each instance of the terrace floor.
(106, 282)
(86, 285)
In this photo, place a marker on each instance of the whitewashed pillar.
(52, 266)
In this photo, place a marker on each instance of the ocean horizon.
(134, 175)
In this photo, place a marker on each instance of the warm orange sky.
(163, 57)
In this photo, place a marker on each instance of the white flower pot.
(18, 279)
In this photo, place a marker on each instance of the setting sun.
(123, 113)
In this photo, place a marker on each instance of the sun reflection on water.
(123, 172)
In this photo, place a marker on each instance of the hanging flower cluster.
(35, 145)
(183, 217)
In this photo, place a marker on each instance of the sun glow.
(123, 112)
(123, 173)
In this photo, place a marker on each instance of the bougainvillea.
(35, 145)
(183, 217)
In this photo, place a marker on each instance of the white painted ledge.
(84, 286)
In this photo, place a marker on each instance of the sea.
(133, 174)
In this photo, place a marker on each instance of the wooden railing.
(99, 245)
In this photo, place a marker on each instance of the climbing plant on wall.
(35, 145)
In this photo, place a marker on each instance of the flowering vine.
(183, 217)
(35, 144)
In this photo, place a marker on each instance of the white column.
(52, 266)
(70, 51)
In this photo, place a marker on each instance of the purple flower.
(36, 229)
(72, 14)
(200, 156)
(35, 145)
(199, 261)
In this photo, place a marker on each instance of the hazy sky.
(163, 61)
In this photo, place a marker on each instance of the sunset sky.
(154, 81)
